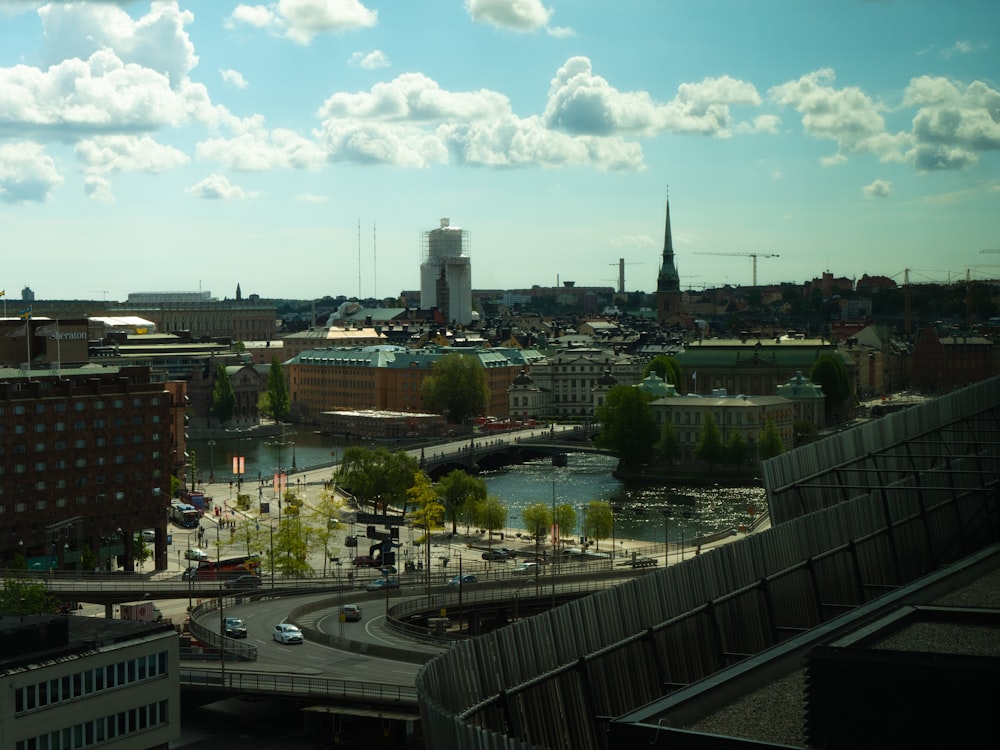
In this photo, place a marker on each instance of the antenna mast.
(359, 258)
(374, 263)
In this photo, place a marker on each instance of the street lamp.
(666, 537)
(222, 617)
(211, 462)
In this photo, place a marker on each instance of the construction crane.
(989, 251)
(754, 256)
(621, 273)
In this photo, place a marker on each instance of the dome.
(523, 378)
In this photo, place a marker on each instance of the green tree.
(668, 447)
(292, 540)
(88, 560)
(709, 448)
(324, 518)
(597, 521)
(565, 519)
(459, 490)
(804, 431)
(491, 515)
(377, 476)
(736, 449)
(666, 367)
(770, 444)
(537, 519)
(628, 426)
(274, 401)
(830, 373)
(22, 596)
(140, 551)
(456, 388)
(427, 514)
(223, 397)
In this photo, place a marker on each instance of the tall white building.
(446, 273)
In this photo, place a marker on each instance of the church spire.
(668, 280)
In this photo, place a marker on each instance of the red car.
(364, 561)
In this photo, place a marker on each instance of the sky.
(302, 148)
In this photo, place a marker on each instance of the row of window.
(61, 406)
(97, 732)
(80, 463)
(80, 424)
(80, 500)
(90, 681)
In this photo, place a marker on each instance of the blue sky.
(176, 146)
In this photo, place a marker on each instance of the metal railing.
(323, 688)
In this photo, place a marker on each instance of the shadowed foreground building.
(853, 611)
(78, 682)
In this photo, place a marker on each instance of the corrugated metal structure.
(862, 513)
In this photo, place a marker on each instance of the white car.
(526, 569)
(285, 632)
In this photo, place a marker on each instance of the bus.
(184, 515)
(208, 570)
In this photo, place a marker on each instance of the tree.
(804, 431)
(323, 518)
(141, 553)
(668, 447)
(537, 519)
(427, 514)
(770, 444)
(666, 367)
(830, 373)
(597, 520)
(377, 476)
(458, 490)
(291, 546)
(223, 398)
(456, 388)
(491, 515)
(21, 596)
(628, 426)
(736, 449)
(274, 401)
(709, 448)
(565, 519)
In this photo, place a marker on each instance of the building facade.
(85, 463)
(388, 378)
(78, 682)
(568, 378)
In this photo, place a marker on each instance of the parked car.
(148, 535)
(351, 613)
(463, 580)
(527, 569)
(383, 583)
(193, 553)
(388, 570)
(496, 555)
(285, 632)
(363, 561)
(189, 574)
(236, 628)
(244, 582)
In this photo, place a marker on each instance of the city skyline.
(300, 148)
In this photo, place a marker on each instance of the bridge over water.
(487, 452)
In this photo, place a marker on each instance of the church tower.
(668, 285)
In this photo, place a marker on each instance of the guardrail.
(324, 688)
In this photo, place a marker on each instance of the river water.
(639, 511)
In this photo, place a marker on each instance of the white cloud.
(302, 20)
(217, 187)
(257, 149)
(156, 41)
(369, 60)
(233, 78)
(963, 47)
(953, 122)
(27, 173)
(98, 188)
(560, 32)
(878, 189)
(847, 116)
(414, 96)
(126, 153)
(583, 103)
(513, 15)
(411, 121)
